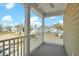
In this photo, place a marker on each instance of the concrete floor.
(49, 50)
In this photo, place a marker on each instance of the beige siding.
(71, 29)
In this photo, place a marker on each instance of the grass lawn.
(3, 33)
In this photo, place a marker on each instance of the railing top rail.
(12, 38)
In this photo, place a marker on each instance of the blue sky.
(13, 14)
(53, 20)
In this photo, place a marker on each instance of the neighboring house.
(61, 33)
(14, 29)
(46, 29)
(54, 30)
(34, 32)
(5, 29)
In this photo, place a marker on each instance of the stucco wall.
(71, 29)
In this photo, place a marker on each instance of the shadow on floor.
(49, 50)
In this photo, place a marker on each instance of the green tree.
(9, 28)
(1, 27)
(20, 27)
(31, 28)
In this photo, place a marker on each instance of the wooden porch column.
(27, 29)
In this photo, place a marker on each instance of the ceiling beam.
(57, 13)
(35, 9)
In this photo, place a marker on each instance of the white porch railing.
(12, 47)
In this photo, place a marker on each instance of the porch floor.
(49, 50)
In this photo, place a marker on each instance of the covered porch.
(41, 45)
(24, 46)
(45, 46)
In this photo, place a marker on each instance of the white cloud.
(55, 23)
(7, 19)
(16, 24)
(52, 17)
(23, 20)
(9, 6)
(34, 21)
(61, 21)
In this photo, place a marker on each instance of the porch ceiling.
(49, 9)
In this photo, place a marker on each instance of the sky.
(53, 20)
(13, 14)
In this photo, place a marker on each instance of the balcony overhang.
(48, 9)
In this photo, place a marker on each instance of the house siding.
(71, 29)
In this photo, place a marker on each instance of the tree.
(9, 28)
(59, 27)
(20, 27)
(1, 27)
(31, 28)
